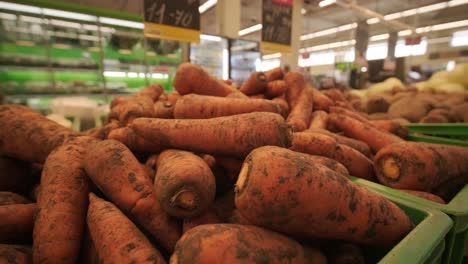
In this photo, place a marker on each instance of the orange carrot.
(281, 102)
(194, 106)
(299, 117)
(232, 135)
(229, 243)
(62, 204)
(119, 175)
(350, 142)
(255, 96)
(353, 114)
(184, 184)
(27, 135)
(420, 166)
(335, 95)
(295, 83)
(116, 238)
(135, 142)
(318, 120)
(151, 166)
(275, 88)
(191, 78)
(331, 164)
(256, 83)
(374, 137)
(7, 198)
(391, 126)
(425, 195)
(321, 101)
(15, 254)
(16, 222)
(287, 192)
(319, 144)
(274, 74)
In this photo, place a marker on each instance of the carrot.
(321, 101)
(350, 142)
(153, 91)
(295, 83)
(119, 175)
(228, 81)
(420, 166)
(344, 253)
(184, 184)
(191, 78)
(275, 88)
(7, 198)
(232, 135)
(229, 243)
(15, 254)
(135, 142)
(319, 144)
(255, 96)
(346, 105)
(256, 83)
(290, 193)
(391, 126)
(331, 164)
(281, 102)
(318, 120)
(299, 117)
(15, 175)
(16, 222)
(335, 94)
(150, 166)
(374, 137)
(353, 114)
(116, 238)
(194, 106)
(314, 256)
(237, 218)
(101, 132)
(425, 195)
(207, 217)
(210, 160)
(133, 107)
(274, 74)
(27, 135)
(163, 109)
(62, 204)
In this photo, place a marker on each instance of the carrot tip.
(391, 168)
(242, 179)
(185, 199)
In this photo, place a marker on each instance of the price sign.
(276, 29)
(172, 19)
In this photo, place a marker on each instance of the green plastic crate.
(445, 129)
(457, 209)
(424, 244)
(437, 140)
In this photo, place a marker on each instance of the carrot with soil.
(391, 126)
(119, 175)
(319, 144)
(288, 192)
(299, 117)
(133, 141)
(27, 135)
(374, 137)
(194, 106)
(274, 74)
(321, 101)
(275, 88)
(16, 222)
(232, 135)
(116, 238)
(281, 102)
(230, 243)
(350, 142)
(318, 120)
(347, 112)
(184, 184)
(15, 254)
(255, 84)
(295, 83)
(421, 166)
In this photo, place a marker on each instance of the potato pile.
(212, 174)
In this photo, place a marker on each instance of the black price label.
(161, 16)
(277, 21)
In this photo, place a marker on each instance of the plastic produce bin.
(445, 129)
(456, 209)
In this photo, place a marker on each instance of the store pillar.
(228, 13)
(291, 59)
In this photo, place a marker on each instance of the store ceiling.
(317, 19)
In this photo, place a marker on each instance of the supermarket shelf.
(44, 68)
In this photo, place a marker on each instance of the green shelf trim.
(437, 140)
(447, 129)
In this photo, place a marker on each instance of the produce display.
(214, 174)
(441, 99)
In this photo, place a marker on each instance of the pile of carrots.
(213, 174)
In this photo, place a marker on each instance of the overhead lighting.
(379, 37)
(69, 15)
(20, 8)
(225, 64)
(159, 75)
(325, 3)
(207, 5)
(432, 8)
(249, 30)
(333, 45)
(405, 33)
(120, 22)
(210, 37)
(329, 31)
(457, 2)
(373, 20)
(271, 56)
(247, 46)
(114, 74)
(303, 11)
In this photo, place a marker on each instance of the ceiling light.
(457, 2)
(271, 56)
(249, 30)
(329, 31)
(379, 37)
(20, 8)
(373, 20)
(207, 5)
(122, 23)
(455, 24)
(210, 37)
(432, 8)
(325, 3)
(405, 33)
(303, 11)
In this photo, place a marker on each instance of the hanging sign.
(172, 19)
(276, 26)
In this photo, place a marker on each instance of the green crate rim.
(437, 140)
(448, 129)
